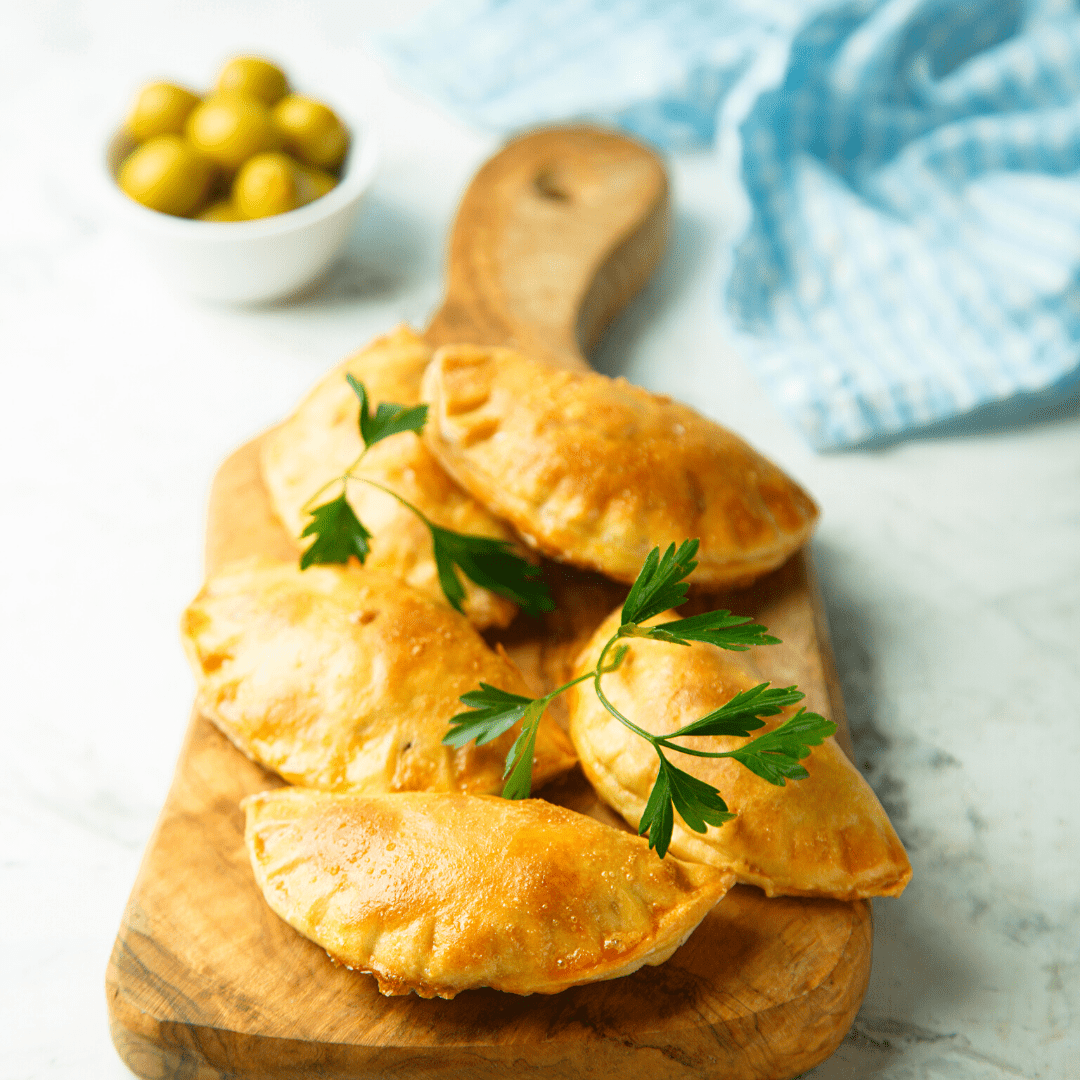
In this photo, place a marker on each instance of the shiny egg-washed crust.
(321, 440)
(824, 836)
(442, 893)
(596, 472)
(344, 679)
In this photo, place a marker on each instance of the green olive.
(315, 183)
(267, 184)
(222, 210)
(166, 173)
(230, 128)
(312, 132)
(255, 76)
(160, 108)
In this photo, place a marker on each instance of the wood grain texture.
(553, 237)
(206, 982)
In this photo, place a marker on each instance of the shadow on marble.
(919, 969)
(1055, 404)
(388, 253)
(684, 261)
(882, 1048)
(853, 650)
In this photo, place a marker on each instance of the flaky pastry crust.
(344, 679)
(321, 440)
(826, 835)
(596, 472)
(442, 893)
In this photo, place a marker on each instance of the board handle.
(554, 236)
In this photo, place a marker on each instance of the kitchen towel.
(907, 242)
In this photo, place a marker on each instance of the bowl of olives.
(243, 194)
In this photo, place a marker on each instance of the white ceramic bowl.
(245, 262)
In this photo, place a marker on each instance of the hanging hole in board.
(547, 184)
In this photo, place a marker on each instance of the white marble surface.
(951, 564)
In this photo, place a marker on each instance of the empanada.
(442, 893)
(321, 440)
(344, 679)
(596, 472)
(826, 835)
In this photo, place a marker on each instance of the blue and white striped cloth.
(908, 247)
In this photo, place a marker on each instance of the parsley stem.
(343, 478)
(566, 686)
(659, 741)
(404, 502)
(600, 670)
(348, 475)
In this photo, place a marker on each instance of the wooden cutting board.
(553, 237)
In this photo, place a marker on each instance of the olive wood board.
(553, 237)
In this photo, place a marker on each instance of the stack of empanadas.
(321, 440)
(390, 851)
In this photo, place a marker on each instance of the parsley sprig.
(339, 533)
(774, 756)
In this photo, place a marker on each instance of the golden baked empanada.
(442, 893)
(596, 472)
(321, 440)
(826, 835)
(344, 679)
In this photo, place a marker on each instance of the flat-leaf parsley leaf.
(774, 756)
(338, 534)
(488, 562)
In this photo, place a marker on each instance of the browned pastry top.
(826, 835)
(322, 439)
(442, 893)
(596, 472)
(344, 679)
